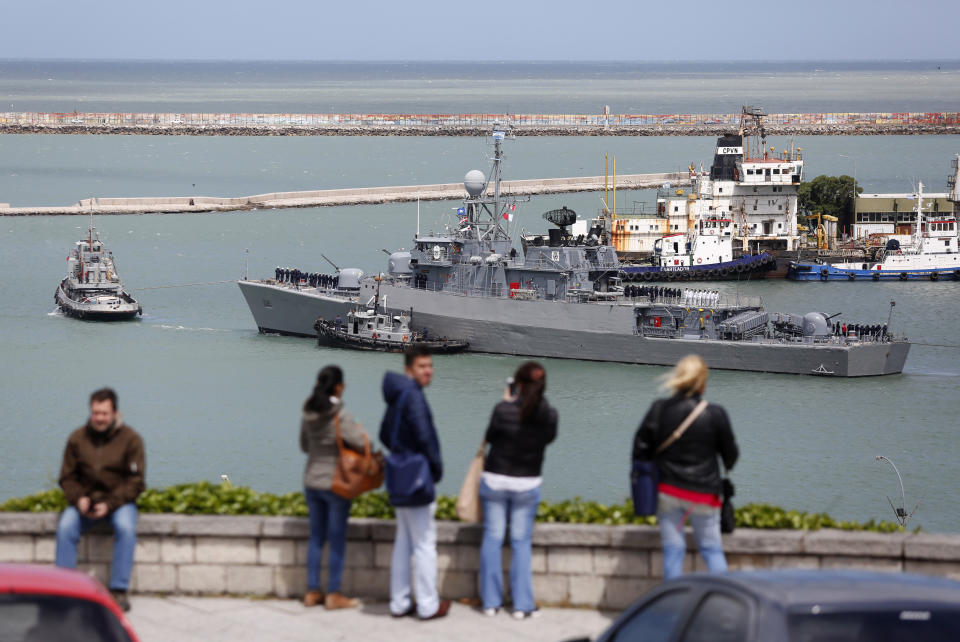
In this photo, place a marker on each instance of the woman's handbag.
(728, 519)
(645, 474)
(356, 473)
(468, 499)
(409, 479)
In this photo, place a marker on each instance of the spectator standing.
(520, 428)
(690, 481)
(329, 512)
(408, 427)
(102, 475)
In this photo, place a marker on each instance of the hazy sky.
(760, 30)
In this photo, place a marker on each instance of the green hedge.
(204, 498)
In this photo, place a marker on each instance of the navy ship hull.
(592, 332)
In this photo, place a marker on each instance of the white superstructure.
(749, 195)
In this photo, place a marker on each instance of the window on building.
(676, 208)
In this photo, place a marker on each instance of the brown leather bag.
(356, 472)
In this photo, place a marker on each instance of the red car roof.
(36, 579)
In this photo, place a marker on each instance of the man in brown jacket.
(102, 476)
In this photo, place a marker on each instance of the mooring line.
(183, 285)
(936, 345)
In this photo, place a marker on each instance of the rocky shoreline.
(458, 130)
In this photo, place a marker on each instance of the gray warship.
(565, 299)
(92, 289)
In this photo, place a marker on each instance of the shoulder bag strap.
(396, 419)
(340, 446)
(682, 428)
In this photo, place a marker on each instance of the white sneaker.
(526, 615)
(491, 612)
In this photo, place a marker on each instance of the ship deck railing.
(724, 301)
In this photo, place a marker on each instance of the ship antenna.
(890, 316)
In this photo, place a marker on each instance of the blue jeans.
(706, 530)
(328, 523)
(522, 509)
(124, 522)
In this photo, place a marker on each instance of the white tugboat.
(932, 253)
(92, 289)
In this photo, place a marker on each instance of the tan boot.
(338, 601)
(313, 598)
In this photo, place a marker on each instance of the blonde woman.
(690, 480)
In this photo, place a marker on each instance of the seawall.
(573, 565)
(233, 124)
(452, 130)
(331, 197)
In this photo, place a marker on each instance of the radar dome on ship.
(474, 182)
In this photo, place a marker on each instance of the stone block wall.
(579, 565)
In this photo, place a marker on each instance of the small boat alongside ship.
(373, 330)
(92, 289)
(379, 332)
(930, 254)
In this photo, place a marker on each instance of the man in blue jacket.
(409, 417)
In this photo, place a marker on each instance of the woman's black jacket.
(516, 446)
(691, 461)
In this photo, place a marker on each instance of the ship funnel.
(474, 182)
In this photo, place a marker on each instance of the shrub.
(205, 498)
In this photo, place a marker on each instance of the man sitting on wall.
(102, 475)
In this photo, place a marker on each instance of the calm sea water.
(212, 397)
(518, 87)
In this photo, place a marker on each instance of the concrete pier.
(351, 196)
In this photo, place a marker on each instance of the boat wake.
(183, 328)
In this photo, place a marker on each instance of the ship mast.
(495, 207)
(918, 232)
(953, 182)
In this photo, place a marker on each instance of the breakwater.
(354, 196)
(234, 124)
(573, 564)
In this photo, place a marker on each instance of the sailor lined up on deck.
(313, 279)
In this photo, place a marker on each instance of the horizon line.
(487, 61)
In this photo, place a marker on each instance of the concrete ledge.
(573, 564)
(836, 542)
(932, 547)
